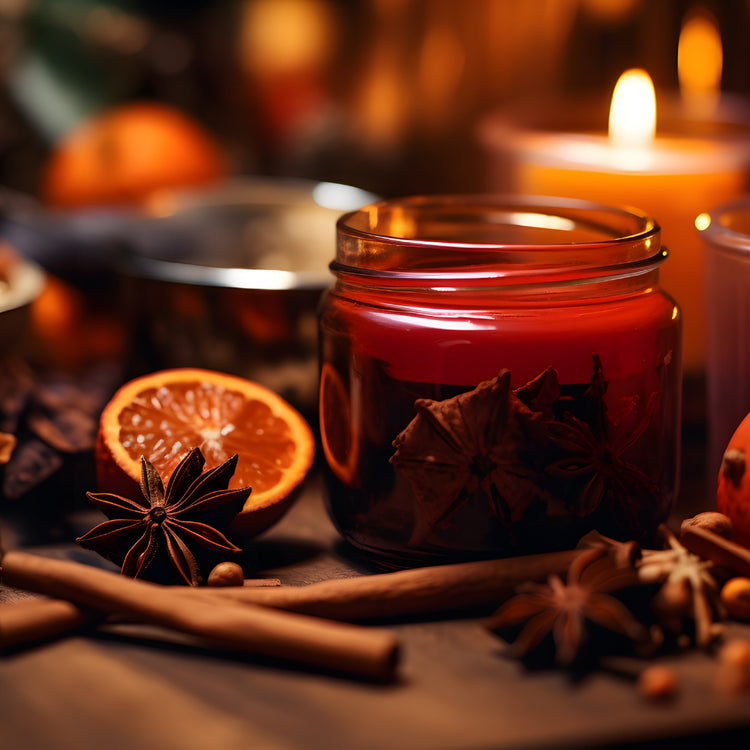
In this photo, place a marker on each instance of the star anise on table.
(567, 610)
(467, 449)
(150, 534)
(594, 460)
(687, 588)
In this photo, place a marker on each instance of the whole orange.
(122, 155)
(733, 486)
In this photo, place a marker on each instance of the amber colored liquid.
(387, 358)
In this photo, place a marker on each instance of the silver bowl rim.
(25, 280)
(258, 192)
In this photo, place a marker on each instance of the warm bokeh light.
(702, 221)
(609, 11)
(286, 35)
(699, 62)
(632, 116)
(441, 64)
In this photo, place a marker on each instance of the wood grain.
(456, 689)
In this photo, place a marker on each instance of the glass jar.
(497, 376)
(725, 232)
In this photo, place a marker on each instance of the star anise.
(685, 578)
(600, 464)
(567, 610)
(144, 533)
(594, 460)
(541, 393)
(467, 448)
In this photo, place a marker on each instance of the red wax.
(463, 347)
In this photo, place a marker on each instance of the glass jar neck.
(489, 243)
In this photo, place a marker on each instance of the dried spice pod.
(541, 393)
(593, 450)
(675, 567)
(540, 464)
(54, 418)
(567, 610)
(68, 430)
(469, 449)
(32, 462)
(149, 535)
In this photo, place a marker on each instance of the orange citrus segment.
(165, 414)
(337, 432)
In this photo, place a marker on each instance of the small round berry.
(658, 683)
(226, 574)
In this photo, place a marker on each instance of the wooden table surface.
(136, 688)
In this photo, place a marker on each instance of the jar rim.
(719, 226)
(600, 239)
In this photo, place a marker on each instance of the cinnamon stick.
(418, 591)
(716, 548)
(31, 620)
(255, 629)
(429, 590)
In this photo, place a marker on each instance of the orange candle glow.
(673, 175)
(672, 178)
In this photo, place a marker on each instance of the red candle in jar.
(497, 377)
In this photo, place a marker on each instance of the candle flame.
(699, 62)
(702, 222)
(632, 116)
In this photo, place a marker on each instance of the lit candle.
(672, 177)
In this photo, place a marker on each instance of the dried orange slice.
(337, 430)
(164, 414)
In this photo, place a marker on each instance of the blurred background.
(104, 103)
(383, 94)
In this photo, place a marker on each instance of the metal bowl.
(230, 279)
(21, 282)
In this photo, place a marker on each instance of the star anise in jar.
(541, 393)
(569, 610)
(593, 462)
(149, 535)
(468, 449)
